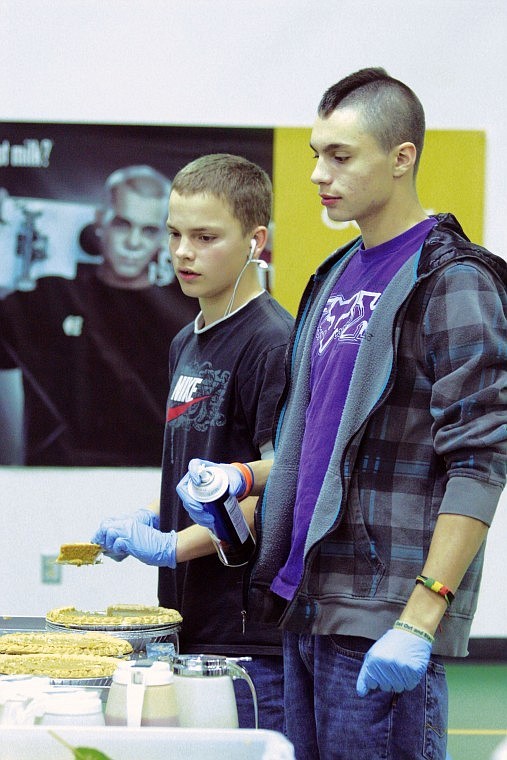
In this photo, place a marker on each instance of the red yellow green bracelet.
(437, 587)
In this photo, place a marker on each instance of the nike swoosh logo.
(176, 411)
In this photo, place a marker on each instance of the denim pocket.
(351, 646)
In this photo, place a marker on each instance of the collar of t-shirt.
(410, 240)
(200, 327)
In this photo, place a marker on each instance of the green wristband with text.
(401, 625)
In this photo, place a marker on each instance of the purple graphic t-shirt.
(342, 327)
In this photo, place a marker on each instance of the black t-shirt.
(94, 363)
(225, 384)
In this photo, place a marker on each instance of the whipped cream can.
(232, 537)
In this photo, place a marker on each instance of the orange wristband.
(248, 475)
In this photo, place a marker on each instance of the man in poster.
(92, 350)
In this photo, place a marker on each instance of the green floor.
(477, 709)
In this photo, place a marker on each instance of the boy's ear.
(405, 156)
(260, 236)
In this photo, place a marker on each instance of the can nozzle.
(205, 476)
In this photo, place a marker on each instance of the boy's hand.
(198, 511)
(396, 662)
(146, 544)
(195, 509)
(119, 538)
(236, 479)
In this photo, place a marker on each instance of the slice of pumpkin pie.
(79, 554)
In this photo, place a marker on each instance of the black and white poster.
(88, 300)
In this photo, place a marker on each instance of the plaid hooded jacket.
(423, 432)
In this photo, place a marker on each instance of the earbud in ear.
(253, 246)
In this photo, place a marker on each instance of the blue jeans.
(266, 673)
(326, 718)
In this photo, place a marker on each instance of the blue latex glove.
(396, 662)
(145, 516)
(198, 511)
(146, 544)
(137, 535)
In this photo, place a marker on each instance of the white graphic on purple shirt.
(345, 319)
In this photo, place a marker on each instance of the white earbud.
(250, 258)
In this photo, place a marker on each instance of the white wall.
(42, 509)
(253, 63)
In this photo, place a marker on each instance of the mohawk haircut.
(389, 110)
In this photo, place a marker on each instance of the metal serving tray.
(21, 624)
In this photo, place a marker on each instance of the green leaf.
(81, 753)
(87, 753)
